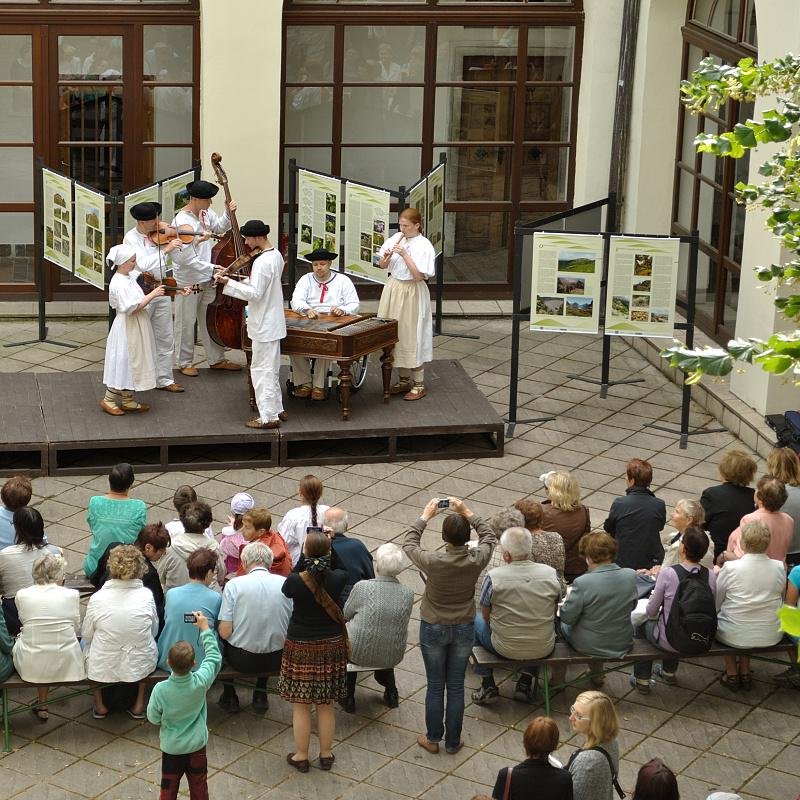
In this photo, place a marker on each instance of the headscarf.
(119, 254)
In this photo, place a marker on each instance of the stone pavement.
(713, 739)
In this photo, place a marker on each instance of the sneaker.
(523, 692)
(641, 685)
(668, 677)
(485, 695)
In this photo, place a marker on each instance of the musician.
(410, 259)
(320, 291)
(192, 265)
(266, 325)
(155, 259)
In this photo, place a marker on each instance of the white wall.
(240, 76)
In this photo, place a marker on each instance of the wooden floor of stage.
(52, 424)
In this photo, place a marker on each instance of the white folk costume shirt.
(262, 291)
(293, 528)
(149, 256)
(192, 263)
(337, 292)
(129, 361)
(419, 248)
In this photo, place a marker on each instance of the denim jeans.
(445, 651)
(483, 637)
(644, 669)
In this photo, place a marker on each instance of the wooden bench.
(563, 656)
(84, 687)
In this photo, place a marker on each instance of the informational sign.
(318, 204)
(366, 225)
(566, 273)
(150, 194)
(434, 219)
(642, 281)
(174, 195)
(90, 244)
(57, 211)
(417, 197)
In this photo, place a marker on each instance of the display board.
(90, 236)
(318, 206)
(566, 276)
(417, 197)
(434, 219)
(149, 194)
(642, 282)
(57, 214)
(366, 225)
(174, 195)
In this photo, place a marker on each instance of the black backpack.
(692, 621)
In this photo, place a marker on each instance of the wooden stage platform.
(52, 424)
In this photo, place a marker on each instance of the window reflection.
(167, 53)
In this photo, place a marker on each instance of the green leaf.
(744, 135)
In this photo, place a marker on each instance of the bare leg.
(730, 665)
(301, 727)
(326, 725)
(744, 665)
(99, 705)
(138, 706)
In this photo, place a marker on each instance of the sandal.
(401, 387)
(40, 712)
(730, 682)
(746, 681)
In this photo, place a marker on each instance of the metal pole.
(292, 248)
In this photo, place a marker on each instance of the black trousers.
(385, 677)
(251, 664)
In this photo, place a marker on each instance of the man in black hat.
(156, 260)
(266, 325)
(192, 265)
(320, 291)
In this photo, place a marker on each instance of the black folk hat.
(320, 254)
(145, 211)
(203, 190)
(254, 227)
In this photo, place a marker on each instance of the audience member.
(784, 465)
(594, 767)
(351, 553)
(377, 614)
(178, 707)
(47, 650)
(726, 503)
(257, 527)
(790, 677)
(183, 496)
(6, 647)
(536, 776)
(15, 493)
(113, 517)
(121, 618)
(183, 600)
(564, 513)
(770, 496)
(499, 522)
(547, 547)
(596, 616)
(314, 664)
(636, 520)
(231, 540)
(253, 621)
(656, 781)
(517, 610)
(16, 561)
(693, 546)
(687, 514)
(447, 628)
(749, 594)
(293, 527)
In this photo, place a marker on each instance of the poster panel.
(434, 229)
(566, 276)
(174, 195)
(366, 225)
(90, 236)
(417, 197)
(642, 282)
(57, 212)
(318, 206)
(149, 194)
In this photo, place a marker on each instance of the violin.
(233, 270)
(184, 233)
(170, 285)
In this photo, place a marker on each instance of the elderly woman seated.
(377, 613)
(47, 650)
(119, 630)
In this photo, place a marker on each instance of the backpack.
(692, 621)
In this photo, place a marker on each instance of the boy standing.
(178, 706)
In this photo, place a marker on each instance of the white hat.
(724, 796)
(119, 254)
(242, 503)
(545, 477)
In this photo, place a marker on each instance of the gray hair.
(517, 542)
(50, 568)
(256, 554)
(692, 510)
(336, 519)
(389, 560)
(755, 537)
(505, 519)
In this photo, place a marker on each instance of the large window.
(381, 102)
(704, 185)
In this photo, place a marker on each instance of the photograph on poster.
(580, 306)
(366, 240)
(48, 236)
(643, 264)
(620, 306)
(659, 315)
(330, 244)
(549, 305)
(640, 300)
(643, 286)
(377, 240)
(305, 234)
(379, 226)
(316, 243)
(330, 203)
(365, 254)
(639, 316)
(569, 261)
(330, 223)
(570, 285)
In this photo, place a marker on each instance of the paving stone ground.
(713, 739)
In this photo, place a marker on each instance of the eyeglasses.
(573, 713)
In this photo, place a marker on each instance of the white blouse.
(419, 248)
(293, 528)
(16, 566)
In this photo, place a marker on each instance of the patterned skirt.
(314, 672)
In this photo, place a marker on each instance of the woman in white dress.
(130, 349)
(309, 515)
(47, 650)
(410, 259)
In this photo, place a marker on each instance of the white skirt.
(409, 302)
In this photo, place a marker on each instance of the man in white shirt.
(192, 266)
(266, 325)
(155, 259)
(320, 291)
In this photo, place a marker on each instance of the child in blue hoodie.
(178, 706)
